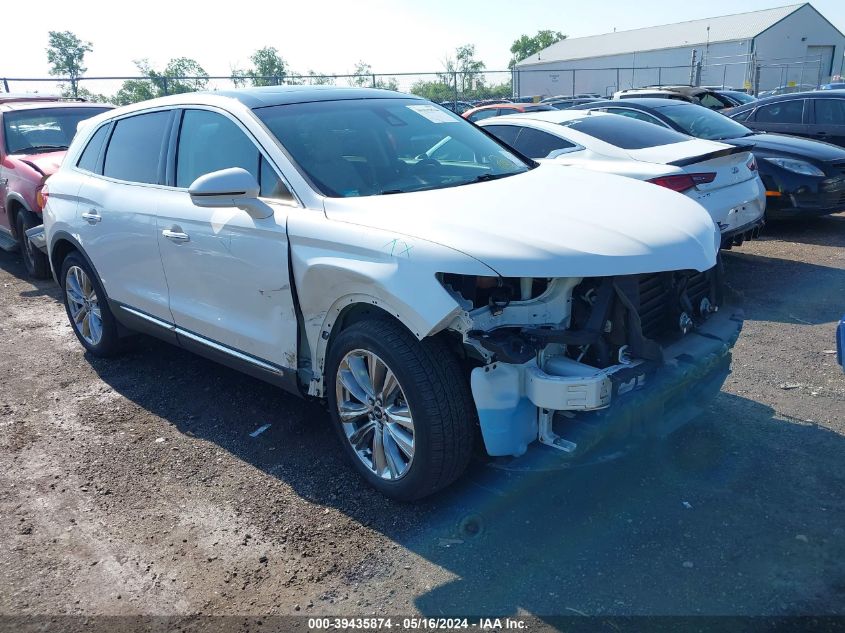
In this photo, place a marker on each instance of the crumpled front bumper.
(577, 408)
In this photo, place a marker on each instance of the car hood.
(550, 222)
(47, 163)
(793, 145)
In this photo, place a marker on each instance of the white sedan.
(722, 178)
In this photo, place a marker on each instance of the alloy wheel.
(83, 305)
(374, 414)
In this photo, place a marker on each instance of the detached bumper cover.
(623, 402)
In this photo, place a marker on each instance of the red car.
(483, 112)
(35, 132)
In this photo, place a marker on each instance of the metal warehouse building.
(759, 50)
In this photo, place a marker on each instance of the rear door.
(784, 117)
(227, 271)
(117, 210)
(828, 122)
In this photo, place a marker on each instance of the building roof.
(725, 28)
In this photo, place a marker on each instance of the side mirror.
(233, 187)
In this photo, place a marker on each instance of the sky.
(327, 36)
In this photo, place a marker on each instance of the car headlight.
(797, 166)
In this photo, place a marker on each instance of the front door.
(227, 271)
(828, 123)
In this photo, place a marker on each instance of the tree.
(65, 53)
(182, 74)
(364, 78)
(464, 70)
(268, 67)
(436, 91)
(526, 46)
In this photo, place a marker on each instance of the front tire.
(87, 307)
(402, 408)
(35, 261)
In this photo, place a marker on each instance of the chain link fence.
(462, 88)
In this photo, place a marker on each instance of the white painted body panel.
(735, 198)
(124, 243)
(229, 282)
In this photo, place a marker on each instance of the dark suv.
(35, 132)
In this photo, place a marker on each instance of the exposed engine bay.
(548, 348)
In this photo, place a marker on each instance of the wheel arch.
(15, 203)
(62, 245)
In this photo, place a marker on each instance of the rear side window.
(781, 112)
(830, 111)
(486, 114)
(135, 149)
(89, 161)
(536, 144)
(625, 132)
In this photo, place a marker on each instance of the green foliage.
(436, 91)
(268, 67)
(66, 53)
(83, 93)
(527, 46)
(169, 81)
(364, 78)
(466, 71)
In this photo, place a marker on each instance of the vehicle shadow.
(717, 520)
(12, 263)
(766, 288)
(828, 230)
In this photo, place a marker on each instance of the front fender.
(338, 264)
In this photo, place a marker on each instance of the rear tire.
(35, 261)
(420, 384)
(87, 307)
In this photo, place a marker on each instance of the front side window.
(781, 112)
(136, 148)
(485, 114)
(366, 147)
(43, 130)
(209, 141)
(625, 132)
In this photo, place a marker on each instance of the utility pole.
(692, 67)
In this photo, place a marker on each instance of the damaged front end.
(573, 362)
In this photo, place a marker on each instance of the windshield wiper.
(486, 177)
(41, 148)
(389, 192)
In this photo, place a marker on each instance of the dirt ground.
(133, 486)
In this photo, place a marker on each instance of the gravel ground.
(133, 486)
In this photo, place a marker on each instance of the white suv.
(304, 236)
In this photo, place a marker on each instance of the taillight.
(682, 182)
(41, 197)
(751, 163)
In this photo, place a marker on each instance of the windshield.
(381, 146)
(703, 123)
(48, 129)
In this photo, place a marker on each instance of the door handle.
(91, 216)
(175, 234)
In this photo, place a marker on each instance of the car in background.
(458, 107)
(819, 115)
(736, 96)
(293, 232)
(691, 94)
(785, 90)
(35, 132)
(802, 177)
(836, 85)
(563, 104)
(485, 112)
(721, 178)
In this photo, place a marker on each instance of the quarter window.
(536, 144)
(781, 112)
(830, 111)
(135, 149)
(89, 161)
